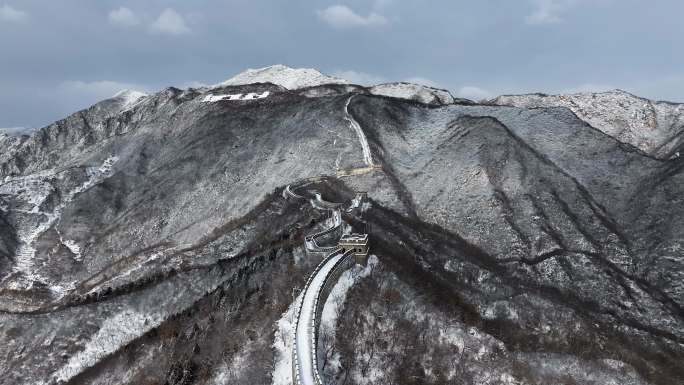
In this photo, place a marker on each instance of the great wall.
(342, 255)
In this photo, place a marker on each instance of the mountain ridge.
(655, 127)
(534, 239)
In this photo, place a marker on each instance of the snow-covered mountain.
(298, 78)
(290, 78)
(153, 239)
(657, 128)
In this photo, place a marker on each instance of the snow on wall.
(305, 343)
(331, 224)
(287, 192)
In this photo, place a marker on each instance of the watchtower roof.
(355, 238)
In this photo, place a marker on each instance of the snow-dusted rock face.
(128, 98)
(290, 78)
(417, 92)
(657, 128)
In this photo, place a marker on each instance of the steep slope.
(236, 156)
(657, 128)
(150, 241)
(512, 189)
(539, 201)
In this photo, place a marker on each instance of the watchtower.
(358, 243)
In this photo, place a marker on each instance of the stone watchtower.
(358, 243)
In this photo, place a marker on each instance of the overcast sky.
(60, 56)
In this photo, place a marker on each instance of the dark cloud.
(58, 57)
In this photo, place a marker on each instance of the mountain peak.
(128, 97)
(295, 78)
(290, 78)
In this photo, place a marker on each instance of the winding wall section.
(310, 241)
(304, 358)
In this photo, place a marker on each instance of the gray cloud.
(11, 14)
(474, 93)
(124, 17)
(360, 78)
(341, 16)
(170, 22)
(548, 11)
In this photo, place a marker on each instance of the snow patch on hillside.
(74, 248)
(333, 308)
(333, 305)
(290, 78)
(282, 345)
(115, 332)
(30, 195)
(130, 321)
